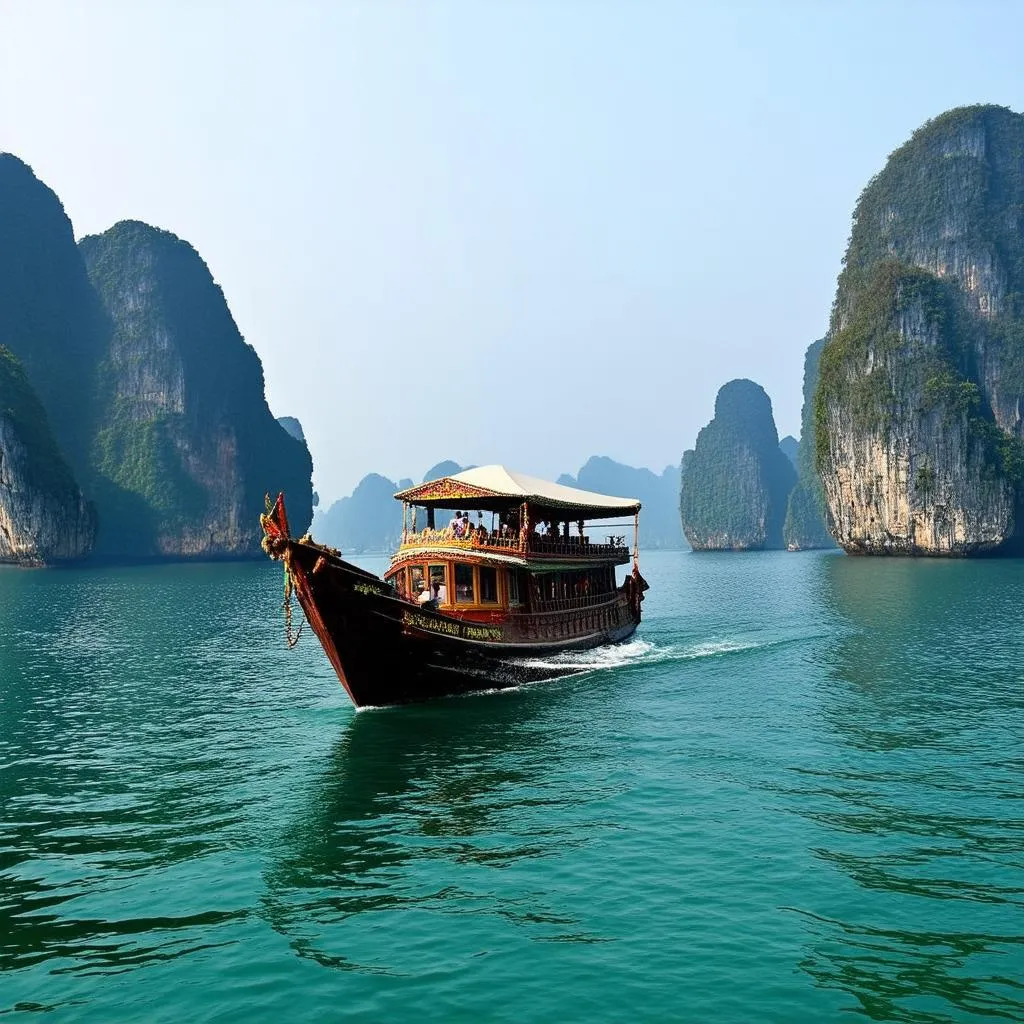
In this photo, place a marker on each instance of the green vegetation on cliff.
(736, 481)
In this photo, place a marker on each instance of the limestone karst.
(185, 445)
(918, 407)
(736, 481)
(137, 382)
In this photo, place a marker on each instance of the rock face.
(918, 409)
(184, 445)
(806, 522)
(736, 481)
(50, 318)
(659, 495)
(43, 515)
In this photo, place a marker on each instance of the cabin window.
(416, 580)
(437, 579)
(464, 584)
(513, 587)
(488, 585)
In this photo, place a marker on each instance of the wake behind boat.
(468, 606)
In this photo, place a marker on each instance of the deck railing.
(565, 624)
(561, 547)
(550, 606)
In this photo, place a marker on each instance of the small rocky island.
(918, 408)
(133, 422)
(736, 481)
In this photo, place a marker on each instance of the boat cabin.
(487, 545)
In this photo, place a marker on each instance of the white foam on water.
(714, 647)
(633, 652)
(639, 652)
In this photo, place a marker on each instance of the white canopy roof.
(499, 482)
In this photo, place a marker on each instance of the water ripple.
(796, 794)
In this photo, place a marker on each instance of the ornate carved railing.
(564, 625)
(571, 547)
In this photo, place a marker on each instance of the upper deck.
(531, 547)
(518, 505)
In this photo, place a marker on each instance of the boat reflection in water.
(469, 606)
(408, 800)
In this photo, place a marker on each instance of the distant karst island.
(736, 481)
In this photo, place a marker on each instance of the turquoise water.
(797, 795)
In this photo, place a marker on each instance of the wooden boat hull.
(387, 650)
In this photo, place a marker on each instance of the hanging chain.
(289, 587)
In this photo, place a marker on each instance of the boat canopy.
(494, 488)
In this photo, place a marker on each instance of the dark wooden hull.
(387, 650)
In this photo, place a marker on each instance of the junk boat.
(482, 602)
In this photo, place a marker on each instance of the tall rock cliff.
(918, 409)
(736, 482)
(50, 317)
(806, 515)
(43, 515)
(184, 445)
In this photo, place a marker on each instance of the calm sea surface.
(797, 795)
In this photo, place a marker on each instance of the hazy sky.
(497, 232)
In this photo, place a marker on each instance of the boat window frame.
(511, 588)
(410, 586)
(443, 566)
(496, 602)
(456, 566)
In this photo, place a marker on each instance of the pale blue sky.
(497, 232)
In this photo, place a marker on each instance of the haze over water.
(795, 795)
